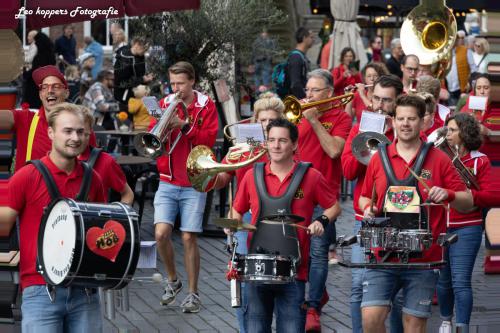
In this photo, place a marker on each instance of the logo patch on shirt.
(299, 194)
(426, 174)
(327, 125)
(200, 121)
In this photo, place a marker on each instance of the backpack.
(279, 77)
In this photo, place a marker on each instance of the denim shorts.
(171, 200)
(380, 286)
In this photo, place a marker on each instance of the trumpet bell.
(365, 145)
(148, 145)
(429, 32)
(294, 109)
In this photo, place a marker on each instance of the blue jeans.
(242, 248)
(72, 311)
(396, 315)
(454, 286)
(357, 256)
(283, 299)
(262, 74)
(318, 261)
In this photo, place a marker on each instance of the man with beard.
(31, 127)
(46, 309)
(387, 176)
(99, 99)
(385, 91)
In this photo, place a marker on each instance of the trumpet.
(150, 144)
(294, 109)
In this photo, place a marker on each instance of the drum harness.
(55, 195)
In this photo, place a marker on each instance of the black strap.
(484, 56)
(94, 155)
(86, 181)
(47, 177)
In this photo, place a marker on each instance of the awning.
(45, 13)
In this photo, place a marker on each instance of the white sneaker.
(445, 327)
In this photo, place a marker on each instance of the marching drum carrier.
(88, 244)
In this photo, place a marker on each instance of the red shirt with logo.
(41, 142)
(337, 123)
(315, 190)
(203, 121)
(111, 173)
(437, 170)
(28, 195)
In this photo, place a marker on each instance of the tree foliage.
(211, 38)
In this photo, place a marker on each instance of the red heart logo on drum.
(106, 242)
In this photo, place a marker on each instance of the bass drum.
(88, 244)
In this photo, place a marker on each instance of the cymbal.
(284, 218)
(233, 224)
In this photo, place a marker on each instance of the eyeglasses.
(411, 69)
(314, 90)
(372, 77)
(384, 100)
(54, 86)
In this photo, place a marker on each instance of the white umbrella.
(345, 31)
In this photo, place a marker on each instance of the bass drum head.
(58, 243)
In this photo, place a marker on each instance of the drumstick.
(374, 192)
(230, 200)
(295, 225)
(419, 179)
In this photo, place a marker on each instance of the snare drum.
(413, 240)
(88, 244)
(266, 268)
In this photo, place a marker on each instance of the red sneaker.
(324, 299)
(313, 323)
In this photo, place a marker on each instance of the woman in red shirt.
(454, 286)
(363, 95)
(346, 73)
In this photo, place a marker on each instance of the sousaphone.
(429, 32)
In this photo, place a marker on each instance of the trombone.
(294, 109)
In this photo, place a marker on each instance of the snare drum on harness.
(88, 244)
(266, 268)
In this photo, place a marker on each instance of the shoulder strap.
(47, 177)
(94, 155)
(31, 136)
(86, 181)
(484, 56)
(296, 52)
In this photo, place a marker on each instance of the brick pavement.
(147, 315)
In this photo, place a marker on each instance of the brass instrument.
(466, 175)
(352, 88)
(150, 144)
(364, 145)
(429, 32)
(202, 167)
(294, 109)
(226, 128)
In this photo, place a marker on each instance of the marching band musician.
(322, 137)
(482, 87)
(454, 284)
(363, 96)
(388, 176)
(31, 128)
(267, 108)
(431, 85)
(45, 310)
(386, 89)
(175, 194)
(295, 188)
(409, 67)
(105, 165)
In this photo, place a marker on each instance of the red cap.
(41, 73)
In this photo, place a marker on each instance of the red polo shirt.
(315, 190)
(337, 123)
(28, 195)
(353, 169)
(437, 123)
(111, 173)
(41, 143)
(439, 171)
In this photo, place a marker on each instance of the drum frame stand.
(234, 283)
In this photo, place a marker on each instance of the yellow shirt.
(141, 116)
